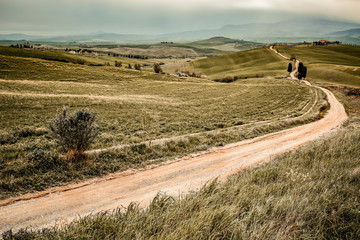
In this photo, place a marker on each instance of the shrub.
(157, 68)
(74, 131)
(118, 64)
(137, 67)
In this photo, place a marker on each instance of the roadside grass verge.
(310, 193)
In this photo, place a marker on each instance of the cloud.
(156, 16)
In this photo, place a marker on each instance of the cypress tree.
(290, 68)
(300, 76)
(304, 72)
(301, 67)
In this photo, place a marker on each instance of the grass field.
(206, 47)
(132, 107)
(249, 63)
(337, 64)
(309, 193)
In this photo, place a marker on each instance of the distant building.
(325, 42)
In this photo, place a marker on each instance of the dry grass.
(132, 107)
(310, 193)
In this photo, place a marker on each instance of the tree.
(290, 68)
(301, 67)
(304, 73)
(74, 131)
(157, 68)
(300, 76)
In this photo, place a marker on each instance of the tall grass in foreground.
(310, 193)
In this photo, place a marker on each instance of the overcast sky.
(51, 17)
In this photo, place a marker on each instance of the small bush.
(74, 131)
(157, 68)
(118, 64)
(137, 67)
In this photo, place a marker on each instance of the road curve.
(66, 203)
(292, 74)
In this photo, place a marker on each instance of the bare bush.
(74, 131)
(157, 68)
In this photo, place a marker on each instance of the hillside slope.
(249, 63)
(338, 64)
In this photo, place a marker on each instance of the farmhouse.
(325, 42)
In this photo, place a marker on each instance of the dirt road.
(66, 203)
(292, 74)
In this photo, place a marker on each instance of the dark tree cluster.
(128, 56)
(78, 50)
(22, 45)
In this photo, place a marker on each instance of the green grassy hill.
(215, 41)
(249, 63)
(226, 44)
(339, 64)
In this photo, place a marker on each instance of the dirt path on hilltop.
(292, 74)
(66, 203)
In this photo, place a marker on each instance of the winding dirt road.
(63, 204)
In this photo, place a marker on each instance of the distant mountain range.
(292, 30)
(354, 33)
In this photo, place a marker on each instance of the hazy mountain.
(17, 36)
(355, 33)
(215, 41)
(292, 30)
